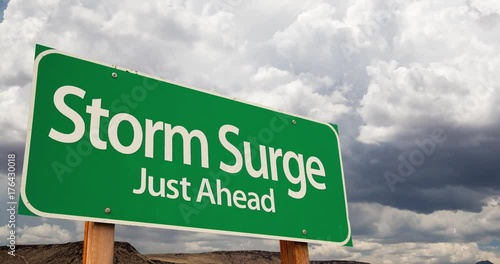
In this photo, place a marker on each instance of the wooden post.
(98, 243)
(85, 242)
(294, 252)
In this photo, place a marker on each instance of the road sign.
(107, 144)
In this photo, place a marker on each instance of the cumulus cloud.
(12, 119)
(403, 101)
(384, 234)
(383, 223)
(43, 234)
(437, 74)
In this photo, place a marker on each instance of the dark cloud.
(453, 177)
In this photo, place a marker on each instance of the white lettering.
(238, 164)
(64, 109)
(113, 133)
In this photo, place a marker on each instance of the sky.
(411, 85)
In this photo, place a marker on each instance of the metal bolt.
(114, 75)
(294, 122)
(107, 210)
(304, 231)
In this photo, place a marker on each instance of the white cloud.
(400, 236)
(441, 72)
(43, 234)
(306, 94)
(391, 224)
(12, 125)
(487, 7)
(404, 99)
(197, 44)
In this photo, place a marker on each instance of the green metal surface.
(79, 181)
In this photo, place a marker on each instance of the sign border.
(163, 226)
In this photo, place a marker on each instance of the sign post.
(293, 252)
(98, 243)
(154, 153)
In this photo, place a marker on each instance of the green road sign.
(107, 144)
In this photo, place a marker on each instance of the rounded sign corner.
(349, 235)
(28, 205)
(43, 54)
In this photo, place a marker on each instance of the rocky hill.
(71, 253)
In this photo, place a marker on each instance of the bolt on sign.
(107, 144)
